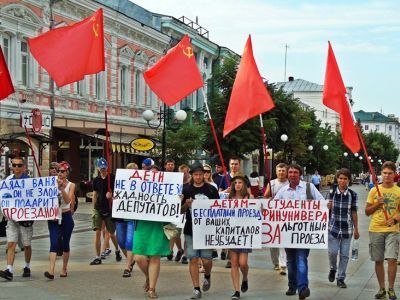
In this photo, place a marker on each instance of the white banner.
(30, 199)
(295, 224)
(26, 120)
(147, 195)
(226, 224)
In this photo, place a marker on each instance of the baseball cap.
(196, 167)
(148, 162)
(102, 163)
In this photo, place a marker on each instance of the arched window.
(24, 64)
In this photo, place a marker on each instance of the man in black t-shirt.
(197, 190)
(102, 203)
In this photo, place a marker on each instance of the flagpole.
(215, 137)
(28, 137)
(371, 169)
(264, 140)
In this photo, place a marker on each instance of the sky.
(365, 36)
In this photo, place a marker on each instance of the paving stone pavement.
(105, 281)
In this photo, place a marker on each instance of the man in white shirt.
(297, 264)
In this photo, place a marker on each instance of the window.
(377, 127)
(390, 127)
(80, 87)
(139, 88)
(123, 88)
(24, 63)
(6, 49)
(205, 63)
(152, 97)
(366, 127)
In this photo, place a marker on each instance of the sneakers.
(184, 260)
(107, 252)
(392, 294)
(332, 274)
(118, 256)
(223, 255)
(340, 283)
(304, 293)
(6, 274)
(27, 272)
(291, 292)
(103, 255)
(228, 264)
(206, 284)
(381, 294)
(244, 287)
(276, 268)
(196, 294)
(179, 255)
(127, 273)
(282, 271)
(236, 296)
(96, 261)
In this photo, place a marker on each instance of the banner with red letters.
(295, 224)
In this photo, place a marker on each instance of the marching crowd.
(144, 242)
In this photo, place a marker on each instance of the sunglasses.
(207, 171)
(61, 171)
(17, 165)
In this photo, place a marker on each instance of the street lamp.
(356, 154)
(164, 119)
(310, 148)
(325, 147)
(345, 154)
(284, 139)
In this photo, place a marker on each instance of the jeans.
(63, 230)
(342, 246)
(297, 267)
(125, 234)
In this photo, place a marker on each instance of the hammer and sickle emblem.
(188, 52)
(95, 26)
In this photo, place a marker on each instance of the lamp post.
(164, 119)
(284, 139)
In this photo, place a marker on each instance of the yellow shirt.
(391, 198)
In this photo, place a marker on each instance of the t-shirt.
(207, 191)
(254, 181)
(391, 198)
(316, 179)
(100, 186)
(220, 181)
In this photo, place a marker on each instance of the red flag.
(6, 86)
(335, 98)
(71, 52)
(175, 75)
(249, 96)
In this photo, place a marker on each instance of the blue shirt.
(343, 205)
(316, 179)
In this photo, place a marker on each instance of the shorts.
(15, 231)
(383, 245)
(199, 253)
(97, 221)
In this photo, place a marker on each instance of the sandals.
(64, 275)
(48, 275)
(127, 273)
(151, 294)
(146, 287)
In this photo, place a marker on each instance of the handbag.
(170, 231)
(3, 226)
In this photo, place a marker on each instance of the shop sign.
(142, 144)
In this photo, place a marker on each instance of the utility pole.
(284, 76)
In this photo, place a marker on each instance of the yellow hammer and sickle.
(188, 52)
(95, 26)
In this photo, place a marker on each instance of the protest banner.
(226, 223)
(30, 199)
(295, 224)
(147, 195)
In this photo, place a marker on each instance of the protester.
(254, 184)
(239, 257)
(278, 255)
(16, 230)
(186, 180)
(147, 163)
(150, 244)
(197, 190)
(64, 227)
(297, 263)
(207, 176)
(316, 179)
(343, 220)
(169, 166)
(102, 198)
(219, 178)
(53, 169)
(384, 228)
(125, 233)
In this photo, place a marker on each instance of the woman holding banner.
(63, 227)
(239, 257)
(150, 243)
